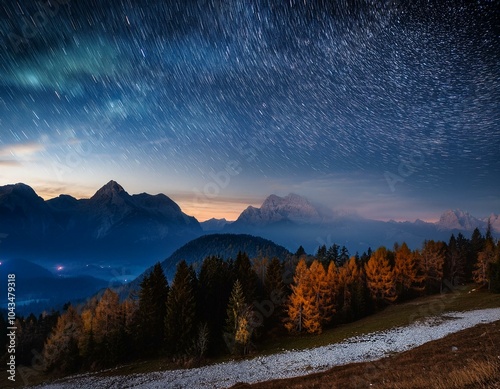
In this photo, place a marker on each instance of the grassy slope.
(392, 316)
(464, 360)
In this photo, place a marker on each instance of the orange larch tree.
(432, 257)
(302, 310)
(408, 275)
(380, 277)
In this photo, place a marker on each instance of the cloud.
(10, 163)
(21, 150)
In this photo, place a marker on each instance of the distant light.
(0, 263)
(59, 268)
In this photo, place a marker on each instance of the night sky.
(389, 109)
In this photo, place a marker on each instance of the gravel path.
(294, 363)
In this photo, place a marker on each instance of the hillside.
(225, 246)
(396, 329)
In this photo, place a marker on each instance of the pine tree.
(274, 291)
(495, 272)
(321, 254)
(180, 321)
(300, 252)
(152, 311)
(244, 272)
(454, 261)
(333, 254)
(344, 255)
(380, 277)
(215, 284)
(476, 245)
(238, 330)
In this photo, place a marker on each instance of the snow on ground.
(294, 363)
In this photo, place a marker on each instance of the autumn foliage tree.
(485, 260)
(380, 277)
(408, 272)
(320, 287)
(302, 314)
(433, 255)
(61, 352)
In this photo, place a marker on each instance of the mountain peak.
(274, 209)
(457, 219)
(111, 189)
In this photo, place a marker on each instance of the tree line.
(232, 306)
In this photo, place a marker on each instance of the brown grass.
(467, 359)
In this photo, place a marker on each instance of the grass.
(396, 315)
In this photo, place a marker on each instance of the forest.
(232, 307)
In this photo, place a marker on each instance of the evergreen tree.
(215, 284)
(344, 255)
(455, 261)
(152, 309)
(240, 321)
(300, 252)
(180, 321)
(244, 272)
(333, 254)
(495, 271)
(476, 245)
(274, 288)
(321, 254)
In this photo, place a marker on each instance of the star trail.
(389, 108)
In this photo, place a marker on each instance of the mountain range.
(113, 237)
(115, 229)
(110, 229)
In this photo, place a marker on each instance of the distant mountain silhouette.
(111, 226)
(292, 221)
(213, 224)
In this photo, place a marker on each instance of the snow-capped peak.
(458, 220)
(275, 209)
